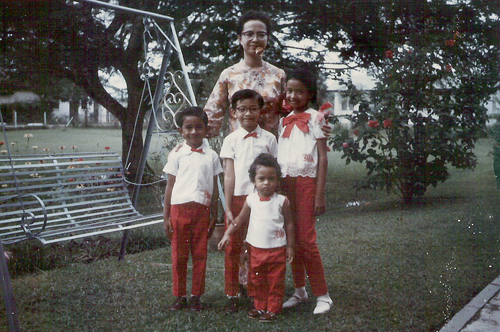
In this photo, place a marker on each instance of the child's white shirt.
(266, 227)
(298, 154)
(194, 173)
(244, 151)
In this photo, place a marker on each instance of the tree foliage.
(427, 110)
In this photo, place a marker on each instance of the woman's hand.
(327, 130)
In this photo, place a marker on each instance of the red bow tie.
(197, 150)
(300, 120)
(264, 199)
(252, 134)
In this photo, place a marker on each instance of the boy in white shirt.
(190, 209)
(270, 236)
(239, 150)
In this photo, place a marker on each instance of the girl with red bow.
(302, 149)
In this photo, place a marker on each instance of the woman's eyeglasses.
(251, 35)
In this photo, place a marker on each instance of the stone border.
(465, 315)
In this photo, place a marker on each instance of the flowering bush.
(424, 115)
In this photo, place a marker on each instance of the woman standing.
(252, 72)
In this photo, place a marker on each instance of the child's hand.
(211, 227)
(289, 255)
(169, 229)
(319, 205)
(229, 217)
(223, 242)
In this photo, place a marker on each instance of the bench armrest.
(28, 218)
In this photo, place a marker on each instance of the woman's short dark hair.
(251, 16)
(246, 94)
(190, 111)
(264, 159)
(308, 79)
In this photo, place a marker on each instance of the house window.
(346, 104)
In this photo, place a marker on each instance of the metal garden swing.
(97, 177)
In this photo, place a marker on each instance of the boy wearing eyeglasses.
(239, 150)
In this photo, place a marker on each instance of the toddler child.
(270, 236)
(302, 156)
(190, 209)
(239, 150)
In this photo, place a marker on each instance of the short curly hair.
(190, 111)
(254, 15)
(263, 159)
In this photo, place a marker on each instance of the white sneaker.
(294, 300)
(322, 307)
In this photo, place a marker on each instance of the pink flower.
(373, 124)
(388, 123)
(389, 54)
(345, 145)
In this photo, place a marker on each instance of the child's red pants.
(267, 272)
(301, 191)
(190, 222)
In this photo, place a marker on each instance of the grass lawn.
(389, 267)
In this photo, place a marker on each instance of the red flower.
(448, 68)
(2, 143)
(389, 54)
(450, 42)
(107, 148)
(356, 132)
(373, 124)
(80, 159)
(71, 180)
(387, 123)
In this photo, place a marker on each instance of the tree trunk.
(132, 143)
(73, 112)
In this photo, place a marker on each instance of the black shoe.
(233, 305)
(179, 303)
(195, 303)
(268, 317)
(255, 314)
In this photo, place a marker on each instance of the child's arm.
(290, 231)
(320, 201)
(214, 208)
(229, 188)
(166, 205)
(239, 221)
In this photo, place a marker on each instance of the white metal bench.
(54, 198)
